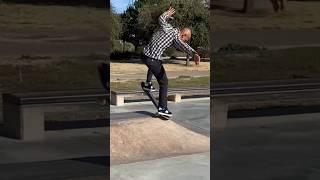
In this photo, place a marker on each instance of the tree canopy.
(141, 20)
(116, 27)
(90, 3)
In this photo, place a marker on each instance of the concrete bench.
(175, 95)
(226, 94)
(23, 113)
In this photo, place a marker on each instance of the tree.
(189, 13)
(115, 27)
(140, 20)
(129, 21)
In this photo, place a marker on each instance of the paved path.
(288, 148)
(190, 167)
(94, 168)
(84, 43)
(58, 145)
(272, 39)
(48, 43)
(64, 154)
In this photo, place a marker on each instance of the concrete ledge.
(174, 95)
(23, 113)
(175, 98)
(27, 122)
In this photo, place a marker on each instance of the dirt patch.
(298, 15)
(128, 69)
(150, 138)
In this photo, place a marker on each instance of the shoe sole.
(163, 114)
(149, 90)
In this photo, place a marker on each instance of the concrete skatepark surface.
(191, 113)
(71, 169)
(59, 145)
(276, 148)
(64, 154)
(73, 150)
(153, 138)
(188, 131)
(188, 167)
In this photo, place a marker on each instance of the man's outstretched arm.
(163, 19)
(184, 47)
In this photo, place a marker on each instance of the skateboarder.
(104, 75)
(278, 4)
(165, 37)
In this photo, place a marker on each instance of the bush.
(129, 47)
(169, 52)
(139, 49)
(119, 55)
(240, 48)
(203, 52)
(179, 54)
(120, 47)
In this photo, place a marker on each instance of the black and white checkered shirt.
(167, 36)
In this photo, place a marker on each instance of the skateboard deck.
(154, 101)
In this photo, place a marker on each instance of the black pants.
(104, 75)
(156, 68)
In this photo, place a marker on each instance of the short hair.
(186, 29)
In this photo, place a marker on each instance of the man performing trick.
(165, 37)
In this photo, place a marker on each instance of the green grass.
(181, 82)
(14, 16)
(267, 65)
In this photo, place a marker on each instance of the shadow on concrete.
(78, 124)
(2, 130)
(287, 150)
(116, 117)
(57, 170)
(274, 111)
(97, 160)
(147, 113)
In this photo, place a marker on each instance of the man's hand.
(196, 59)
(171, 12)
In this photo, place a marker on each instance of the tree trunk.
(188, 61)
(248, 6)
(123, 45)
(20, 73)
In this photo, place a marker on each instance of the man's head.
(185, 34)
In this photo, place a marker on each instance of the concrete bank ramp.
(152, 138)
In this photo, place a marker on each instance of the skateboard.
(155, 103)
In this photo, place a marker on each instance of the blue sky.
(120, 5)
